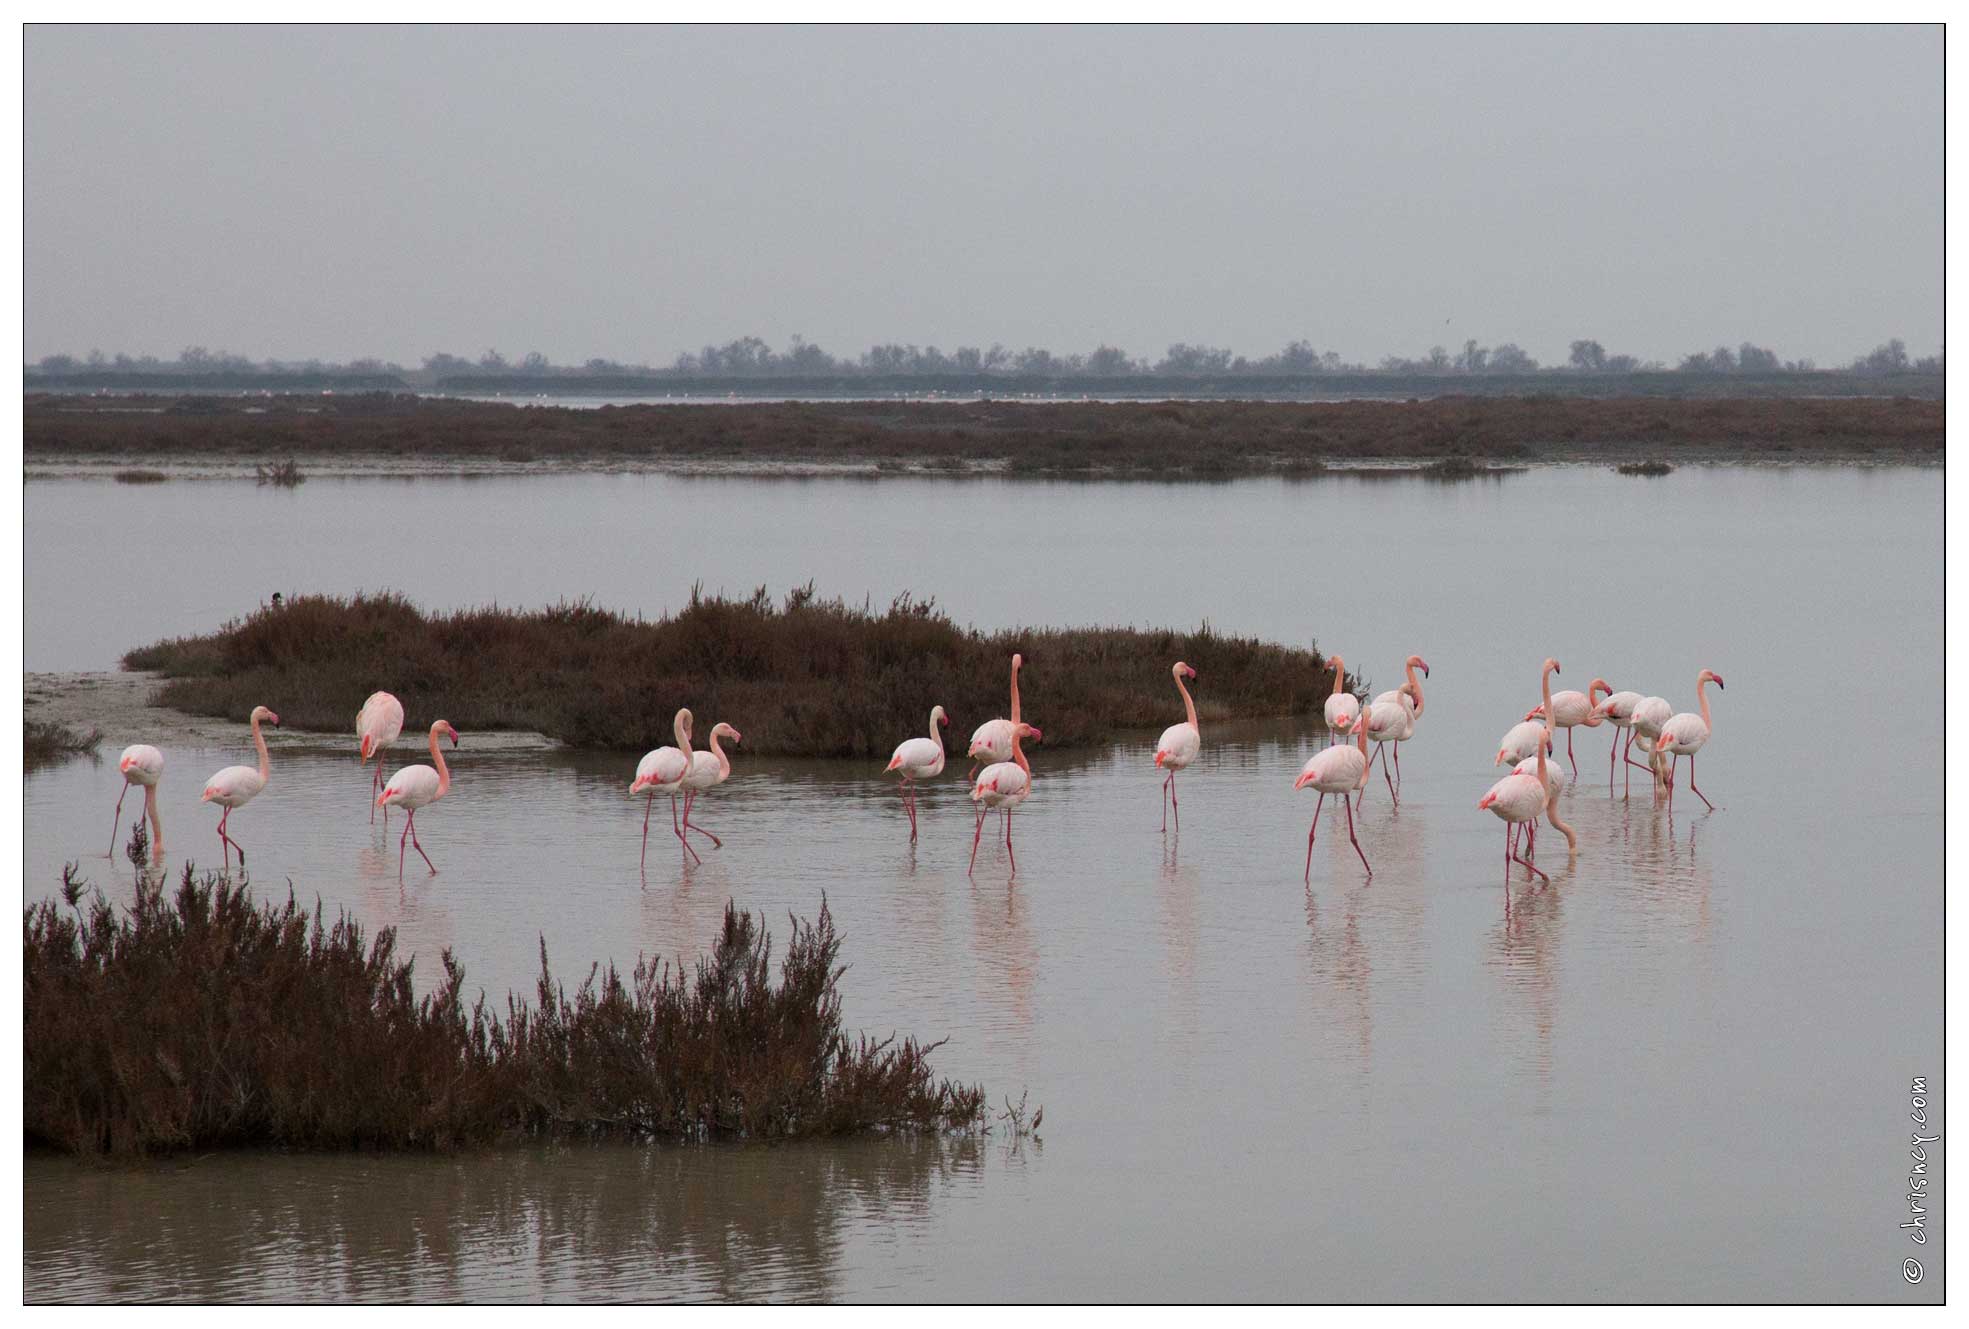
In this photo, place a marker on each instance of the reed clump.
(202, 1019)
(1644, 468)
(282, 474)
(804, 676)
(140, 476)
(43, 741)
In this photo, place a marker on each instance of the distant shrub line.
(202, 1019)
(807, 677)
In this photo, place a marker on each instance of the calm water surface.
(1679, 1071)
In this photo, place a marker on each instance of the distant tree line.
(751, 357)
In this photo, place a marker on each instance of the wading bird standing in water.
(236, 786)
(1343, 707)
(1683, 736)
(918, 759)
(1003, 785)
(1178, 746)
(420, 786)
(140, 764)
(708, 771)
(1650, 714)
(1517, 800)
(1339, 770)
(1387, 727)
(1617, 709)
(377, 725)
(992, 740)
(662, 771)
(1570, 709)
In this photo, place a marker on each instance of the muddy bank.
(405, 434)
(123, 707)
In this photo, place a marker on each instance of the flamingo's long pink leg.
(976, 836)
(1349, 800)
(1313, 831)
(410, 824)
(1398, 766)
(677, 826)
(1008, 842)
(690, 801)
(238, 848)
(118, 820)
(1175, 802)
(402, 841)
(1569, 756)
(1692, 784)
(650, 803)
(1392, 793)
(375, 788)
(1612, 753)
(225, 858)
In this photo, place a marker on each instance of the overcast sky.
(628, 193)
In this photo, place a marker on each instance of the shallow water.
(1679, 1071)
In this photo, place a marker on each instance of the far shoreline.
(382, 434)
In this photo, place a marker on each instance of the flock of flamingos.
(1005, 781)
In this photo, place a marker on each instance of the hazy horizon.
(338, 193)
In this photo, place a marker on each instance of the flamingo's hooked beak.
(1718, 682)
(1037, 737)
(737, 737)
(1189, 671)
(273, 720)
(1425, 668)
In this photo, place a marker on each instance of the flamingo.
(1572, 708)
(1178, 746)
(708, 770)
(377, 725)
(1683, 736)
(1517, 799)
(1342, 708)
(140, 764)
(1520, 741)
(1390, 721)
(1617, 709)
(662, 771)
(1409, 697)
(1339, 770)
(1650, 714)
(419, 786)
(918, 759)
(992, 740)
(236, 786)
(1003, 785)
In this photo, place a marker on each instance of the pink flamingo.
(1003, 785)
(1650, 714)
(1517, 800)
(1409, 697)
(419, 786)
(1178, 746)
(1339, 770)
(662, 771)
(992, 740)
(1570, 709)
(236, 786)
(140, 764)
(1343, 707)
(1683, 736)
(1617, 709)
(377, 725)
(708, 771)
(918, 759)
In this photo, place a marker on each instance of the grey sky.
(634, 192)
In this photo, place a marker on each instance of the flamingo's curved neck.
(1544, 737)
(1019, 756)
(1362, 731)
(1015, 703)
(150, 811)
(1189, 707)
(724, 762)
(1545, 684)
(1339, 674)
(1413, 686)
(437, 760)
(1703, 698)
(1552, 815)
(260, 742)
(936, 731)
